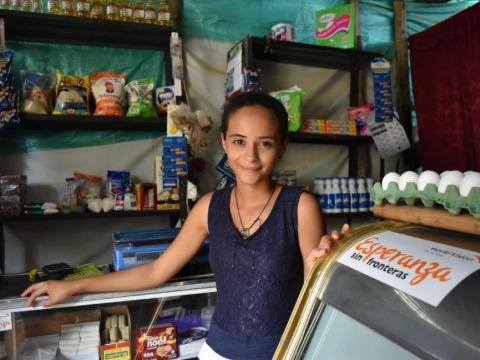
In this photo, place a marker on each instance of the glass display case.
(392, 290)
(171, 321)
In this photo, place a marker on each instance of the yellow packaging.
(73, 94)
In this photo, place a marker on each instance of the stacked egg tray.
(429, 197)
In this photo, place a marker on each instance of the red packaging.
(158, 342)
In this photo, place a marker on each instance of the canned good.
(282, 32)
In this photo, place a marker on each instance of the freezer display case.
(392, 290)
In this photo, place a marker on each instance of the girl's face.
(252, 144)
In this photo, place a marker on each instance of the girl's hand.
(324, 246)
(56, 290)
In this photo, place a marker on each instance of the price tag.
(5, 321)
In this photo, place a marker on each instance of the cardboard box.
(115, 317)
(158, 342)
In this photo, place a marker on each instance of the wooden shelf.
(48, 28)
(309, 55)
(85, 122)
(88, 215)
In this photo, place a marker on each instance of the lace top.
(258, 279)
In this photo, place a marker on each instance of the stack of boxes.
(333, 127)
(172, 164)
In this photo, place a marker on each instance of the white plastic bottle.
(328, 197)
(318, 190)
(337, 197)
(352, 189)
(363, 198)
(369, 189)
(345, 195)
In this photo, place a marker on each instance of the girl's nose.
(251, 152)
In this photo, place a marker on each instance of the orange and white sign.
(5, 321)
(420, 268)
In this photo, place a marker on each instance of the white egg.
(452, 178)
(407, 177)
(427, 177)
(443, 173)
(465, 173)
(469, 181)
(388, 178)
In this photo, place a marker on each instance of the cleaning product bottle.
(125, 10)
(150, 12)
(352, 189)
(345, 195)
(67, 7)
(363, 197)
(53, 7)
(337, 196)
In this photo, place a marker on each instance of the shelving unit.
(47, 28)
(315, 56)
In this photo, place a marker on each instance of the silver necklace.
(245, 231)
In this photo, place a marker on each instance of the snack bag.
(292, 101)
(73, 93)
(140, 98)
(158, 342)
(86, 187)
(37, 93)
(109, 93)
(6, 58)
(362, 116)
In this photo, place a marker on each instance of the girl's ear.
(223, 140)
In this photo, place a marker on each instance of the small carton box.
(115, 333)
(158, 342)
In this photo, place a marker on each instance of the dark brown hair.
(265, 100)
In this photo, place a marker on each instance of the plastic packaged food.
(109, 93)
(140, 98)
(73, 93)
(292, 100)
(6, 58)
(37, 93)
(164, 96)
(87, 187)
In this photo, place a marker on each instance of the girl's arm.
(311, 231)
(179, 253)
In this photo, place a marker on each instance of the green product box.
(336, 27)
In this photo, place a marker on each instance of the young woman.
(264, 238)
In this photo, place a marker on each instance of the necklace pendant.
(245, 233)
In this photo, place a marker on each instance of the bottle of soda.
(138, 11)
(67, 7)
(164, 16)
(150, 12)
(125, 10)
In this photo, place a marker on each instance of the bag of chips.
(140, 98)
(37, 93)
(292, 100)
(73, 93)
(108, 91)
(8, 95)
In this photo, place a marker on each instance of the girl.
(264, 238)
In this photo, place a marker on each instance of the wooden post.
(401, 68)
(176, 13)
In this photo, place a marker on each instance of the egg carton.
(451, 199)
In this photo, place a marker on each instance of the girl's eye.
(265, 144)
(238, 141)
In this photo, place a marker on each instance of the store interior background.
(209, 31)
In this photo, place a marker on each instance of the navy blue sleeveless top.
(258, 279)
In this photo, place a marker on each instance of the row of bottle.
(344, 195)
(123, 10)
